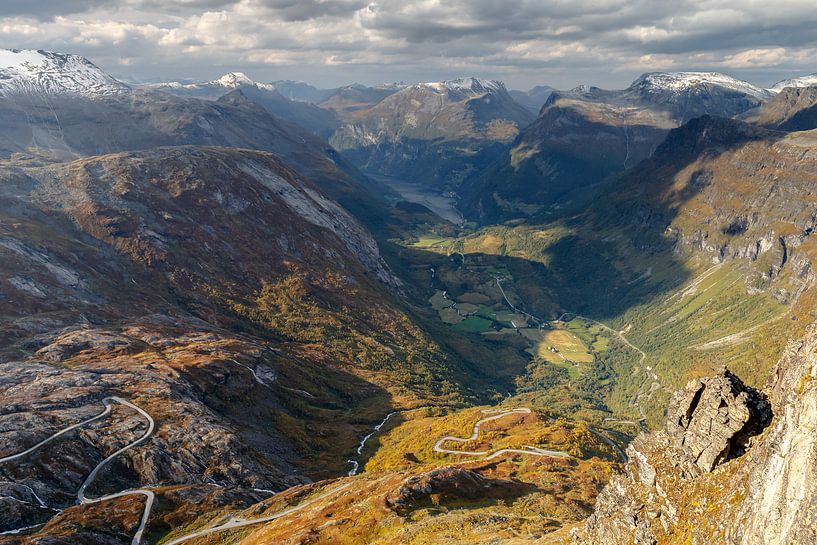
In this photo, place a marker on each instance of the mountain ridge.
(25, 72)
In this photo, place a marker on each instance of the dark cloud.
(48, 9)
(304, 10)
(558, 42)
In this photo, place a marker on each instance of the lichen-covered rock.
(711, 420)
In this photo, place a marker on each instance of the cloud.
(559, 42)
(47, 9)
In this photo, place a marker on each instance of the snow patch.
(803, 81)
(26, 72)
(682, 81)
(467, 86)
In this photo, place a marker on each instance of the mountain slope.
(432, 133)
(52, 125)
(300, 91)
(792, 109)
(28, 72)
(702, 253)
(803, 81)
(588, 134)
(223, 293)
(761, 489)
(351, 98)
(533, 99)
(316, 120)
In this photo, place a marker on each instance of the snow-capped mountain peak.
(468, 86)
(234, 80)
(228, 82)
(803, 81)
(682, 81)
(45, 72)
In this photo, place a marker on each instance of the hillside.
(792, 109)
(434, 133)
(587, 135)
(533, 99)
(224, 294)
(317, 120)
(302, 91)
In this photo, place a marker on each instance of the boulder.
(711, 420)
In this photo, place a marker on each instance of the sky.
(561, 43)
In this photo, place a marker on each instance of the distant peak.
(468, 85)
(234, 79)
(802, 81)
(681, 81)
(25, 71)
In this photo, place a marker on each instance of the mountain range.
(229, 314)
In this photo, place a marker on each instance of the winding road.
(529, 450)
(641, 359)
(241, 523)
(59, 434)
(81, 497)
(518, 311)
(149, 496)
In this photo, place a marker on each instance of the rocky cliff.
(728, 467)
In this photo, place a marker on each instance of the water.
(355, 462)
(445, 207)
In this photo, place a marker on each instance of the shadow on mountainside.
(601, 266)
(604, 261)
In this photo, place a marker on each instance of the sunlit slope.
(700, 256)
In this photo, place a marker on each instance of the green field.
(473, 324)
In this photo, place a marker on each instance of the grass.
(429, 241)
(439, 302)
(559, 345)
(473, 324)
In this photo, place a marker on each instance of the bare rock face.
(711, 420)
(722, 470)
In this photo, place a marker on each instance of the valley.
(411, 313)
(443, 206)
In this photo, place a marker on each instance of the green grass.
(669, 313)
(429, 241)
(473, 324)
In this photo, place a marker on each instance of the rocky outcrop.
(711, 420)
(721, 471)
(450, 483)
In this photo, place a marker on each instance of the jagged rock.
(721, 471)
(711, 420)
